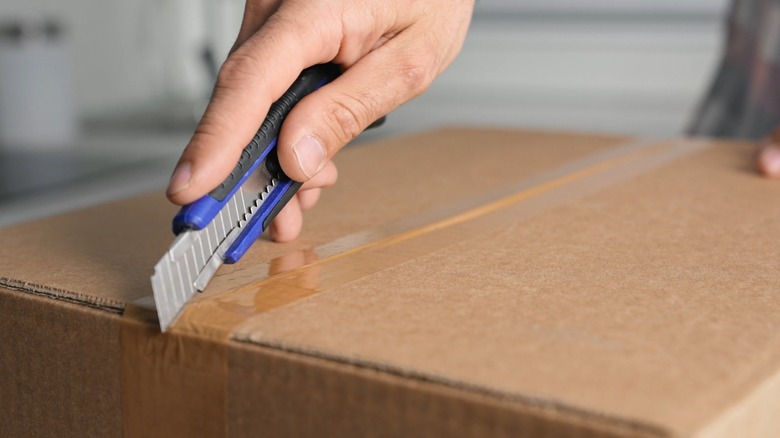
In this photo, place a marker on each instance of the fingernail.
(770, 161)
(180, 179)
(310, 155)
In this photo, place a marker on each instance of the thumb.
(324, 121)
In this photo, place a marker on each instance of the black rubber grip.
(309, 80)
(275, 169)
(291, 191)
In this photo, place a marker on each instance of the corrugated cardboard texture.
(106, 253)
(332, 399)
(58, 368)
(636, 300)
(172, 384)
(656, 299)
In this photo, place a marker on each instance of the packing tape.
(175, 384)
(298, 275)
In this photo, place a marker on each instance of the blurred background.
(98, 98)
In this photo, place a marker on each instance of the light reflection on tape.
(300, 274)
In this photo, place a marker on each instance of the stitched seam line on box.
(565, 410)
(63, 295)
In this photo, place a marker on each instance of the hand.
(390, 51)
(768, 158)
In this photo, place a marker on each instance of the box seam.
(627, 426)
(108, 305)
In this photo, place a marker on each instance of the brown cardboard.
(461, 282)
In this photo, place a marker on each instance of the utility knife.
(221, 226)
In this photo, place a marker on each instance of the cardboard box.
(463, 282)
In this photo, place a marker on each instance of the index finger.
(249, 81)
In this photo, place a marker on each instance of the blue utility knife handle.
(284, 190)
(200, 213)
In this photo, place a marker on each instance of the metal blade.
(195, 255)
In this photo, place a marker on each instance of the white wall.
(633, 72)
(644, 7)
(626, 66)
(129, 53)
(633, 66)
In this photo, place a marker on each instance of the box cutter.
(221, 226)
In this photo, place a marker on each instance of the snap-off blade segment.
(195, 255)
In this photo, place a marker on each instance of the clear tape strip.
(352, 257)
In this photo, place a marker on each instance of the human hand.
(390, 51)
(768, 157)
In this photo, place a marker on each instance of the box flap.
(104, 255)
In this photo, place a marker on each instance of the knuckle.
(416, 76)
(206, 138)
(347, 118)
(236, 68)
(206, 131)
